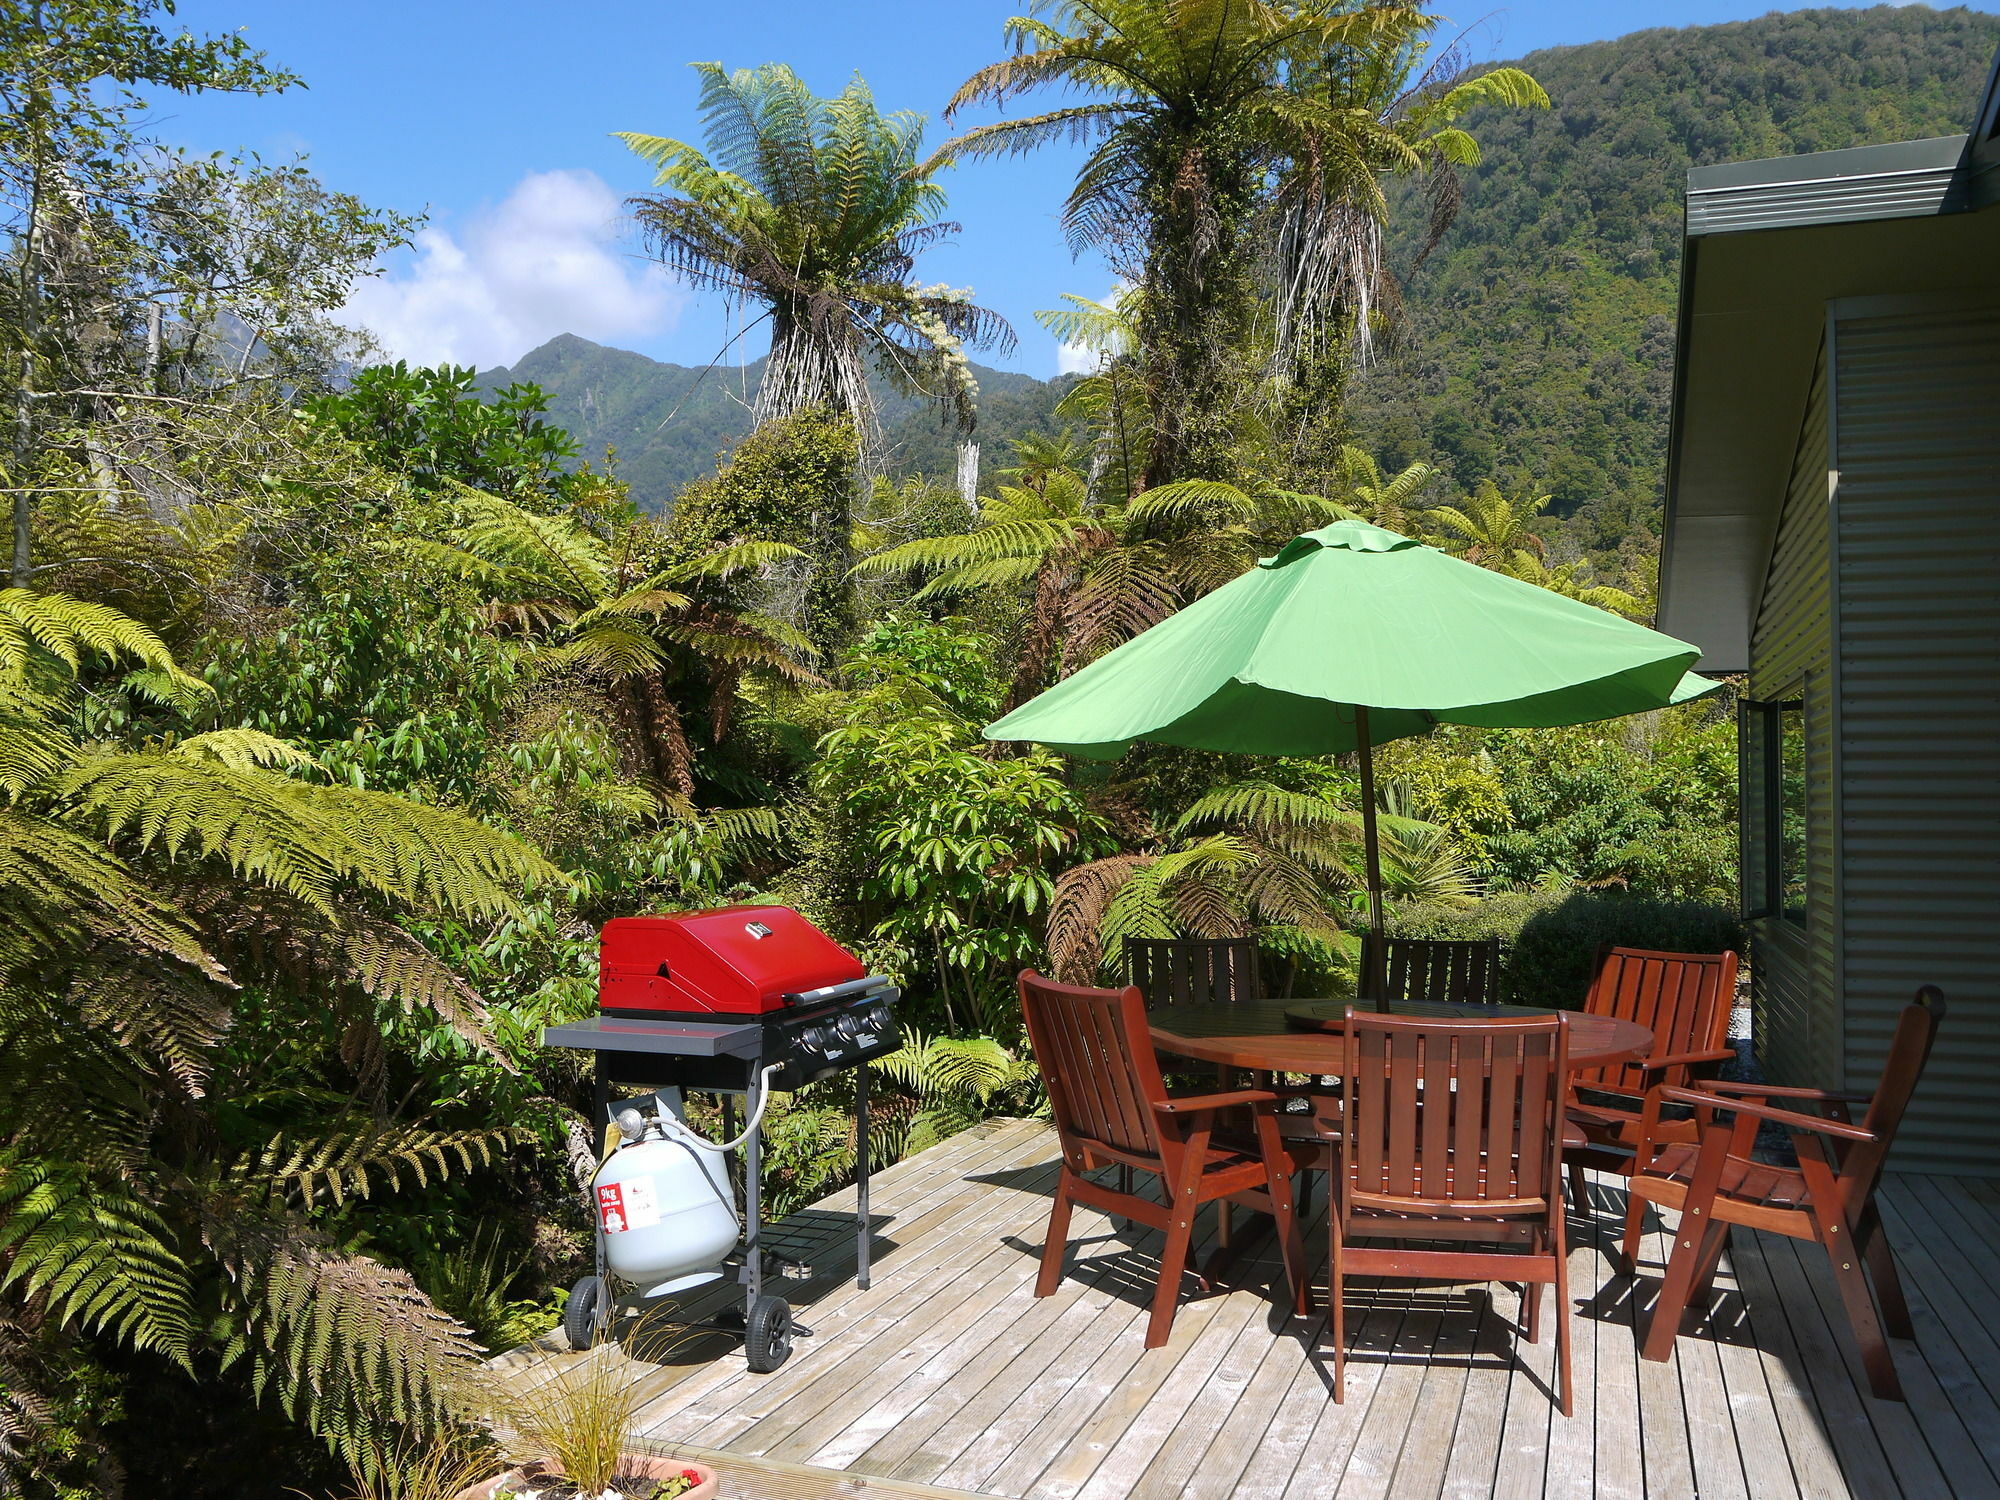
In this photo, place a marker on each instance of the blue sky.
(495, 119)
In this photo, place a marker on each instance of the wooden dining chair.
(1684, 999)
(1452, 1130)
(1829, 1197)
(1462, 971)
(1111, 1105)
(1194, 971)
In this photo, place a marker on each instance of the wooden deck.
(949, 1373)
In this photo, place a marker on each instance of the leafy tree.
(130, 261)
(816, 209)
(956, 851)
(1386, 501)
(1492, 528)
(437, 427)
(1095, 575)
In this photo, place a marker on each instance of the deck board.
(950, 1373)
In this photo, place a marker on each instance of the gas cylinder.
(665, 1209)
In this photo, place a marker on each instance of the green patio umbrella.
(1350, 637)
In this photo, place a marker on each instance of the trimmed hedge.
(1548, 939)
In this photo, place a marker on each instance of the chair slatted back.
(1194, 971)
(1464, 971)
(1682, 998)
(1461, 1116)
(1096, 1055)
(1909, 1051)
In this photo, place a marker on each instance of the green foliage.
(792, 481)
(134, 1206)
(958, 849)
(1539, 334)
(439, 428)
(1548, 938)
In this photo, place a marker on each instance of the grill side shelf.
(658, 1038)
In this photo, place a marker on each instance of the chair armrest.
(1684, 1059)
(1790, 1119)
(1192, 1104)
(1774, 1091)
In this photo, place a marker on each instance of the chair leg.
(1635, 1227)
(1562, 1310)
(1336, 1303)
(1579, 1188)
(1881, 1263)
(1058, 1237)
(1173, 1261)
(1531, 1292)
(1876, 1357)
(1704, 1274)
(1691, 1248)
(1285, 1221)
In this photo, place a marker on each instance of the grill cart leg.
(600, 1116)
(753, 1216)
(861, 1176)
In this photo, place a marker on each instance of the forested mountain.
(1537, 341)
(669, 422)
(1539, 336)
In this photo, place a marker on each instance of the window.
(1775, 854)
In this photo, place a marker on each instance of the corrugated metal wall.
(1917, 423)
(1791, 656)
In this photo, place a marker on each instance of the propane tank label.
(631, 1204)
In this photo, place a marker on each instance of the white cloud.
(1075, 359)
(545, 261)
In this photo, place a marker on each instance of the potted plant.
(574, 1421)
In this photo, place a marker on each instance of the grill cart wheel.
(767, 1338)
(583, 1311)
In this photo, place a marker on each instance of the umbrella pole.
(1371, 981)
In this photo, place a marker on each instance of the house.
(1833, 531)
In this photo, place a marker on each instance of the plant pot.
(639, 1465)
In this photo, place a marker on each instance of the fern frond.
(1076, 913)
(244, 750)
(340, 1341)
(57, 888)
(332, 1168)
(101, 1258)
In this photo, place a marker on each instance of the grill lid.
(737, 960)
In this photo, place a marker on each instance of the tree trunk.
(24, 390)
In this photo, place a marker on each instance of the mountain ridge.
(670, 423)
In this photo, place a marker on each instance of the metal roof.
(1768, 245)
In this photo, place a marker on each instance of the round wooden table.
(1272, 1036)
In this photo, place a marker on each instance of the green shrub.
(1548, 938)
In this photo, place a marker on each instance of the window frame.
(1760, 730)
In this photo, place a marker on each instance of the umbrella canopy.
(1355, 616)
(1351, 636)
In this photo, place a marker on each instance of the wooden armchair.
(1452, 1130)
(1462, 971)
(1829, 1197)
(1194, 971)
(1111, 1105)
(1684, 1000)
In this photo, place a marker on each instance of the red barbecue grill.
(741, 1000)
